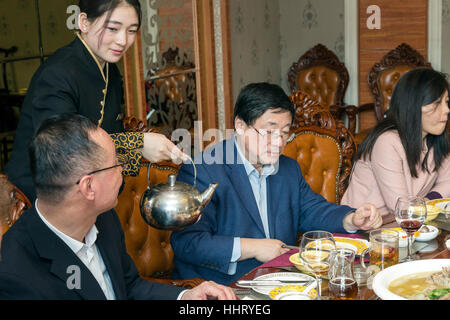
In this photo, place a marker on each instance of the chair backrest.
(13, 202)
(384, 75)
(149, 248)
(321, 75)
(323, 147)
(171, 92)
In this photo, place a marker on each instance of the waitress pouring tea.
(82, 77)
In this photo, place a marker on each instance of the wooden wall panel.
(133, 78)
(401, 21)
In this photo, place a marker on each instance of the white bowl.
(383, 279)
(427, 236)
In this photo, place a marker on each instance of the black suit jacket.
(37, 264)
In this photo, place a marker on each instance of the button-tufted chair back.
(321, 75)
(322, 146)
(319, 82)
(170, 86)
(13, 202)
(383, 78)
(149, 248)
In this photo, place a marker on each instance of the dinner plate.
(383, 279)
(279, 276)
(441, 203)
(292, 292)
(360, 244)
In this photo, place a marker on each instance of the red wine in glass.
(410, 213)
(410, 226)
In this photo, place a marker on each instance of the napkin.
(280, 261)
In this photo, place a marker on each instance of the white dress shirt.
(88, 254)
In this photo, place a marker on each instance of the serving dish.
(383, 279)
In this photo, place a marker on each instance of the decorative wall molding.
(351, 50)
(435, 15)
(219, 66)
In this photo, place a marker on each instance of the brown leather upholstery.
(149, 248)
(321, 75)
(383, 78)
(319, 82)
(322, 146)
(171, 84)
(13, 203)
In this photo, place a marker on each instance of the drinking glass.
(410, 213)
(342, 284)
(383, 248)
(316, 249)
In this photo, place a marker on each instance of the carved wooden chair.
(171, 93)
(383, 78)
(149, 248)
(323, 147)
(321, 75)
(13, 202)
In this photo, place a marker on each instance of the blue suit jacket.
(35, 264)
(204, 249)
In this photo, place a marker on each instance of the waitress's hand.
(158, 148)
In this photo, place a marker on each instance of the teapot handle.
(148, 176)
(195, 170)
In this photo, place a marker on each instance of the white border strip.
(351, 50)
(219, 66)
(435, 33)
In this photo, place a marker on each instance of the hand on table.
(209, 289)
(366, 217)
(262, 250)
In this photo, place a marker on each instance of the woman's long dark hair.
(415, 89)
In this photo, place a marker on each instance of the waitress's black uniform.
(68, 81)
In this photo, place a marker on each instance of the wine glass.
(316, 250)
(410, 213)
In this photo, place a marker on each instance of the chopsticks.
(270, 283)
(289, 247)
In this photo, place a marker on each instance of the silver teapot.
(174, 205)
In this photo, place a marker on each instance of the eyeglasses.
(122, 162)
(272, 134)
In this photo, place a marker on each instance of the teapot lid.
(174, 185)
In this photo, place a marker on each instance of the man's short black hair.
(60, 153)
(256, 98)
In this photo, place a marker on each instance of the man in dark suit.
(262, 200)
(70, 245)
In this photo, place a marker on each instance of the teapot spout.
(206, 196)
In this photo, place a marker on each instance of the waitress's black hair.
(94, 9)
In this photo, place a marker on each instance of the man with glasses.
(262, 200)
(70, 244)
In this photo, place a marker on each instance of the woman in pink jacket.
(408, 152)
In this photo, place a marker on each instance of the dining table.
(433, 249)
